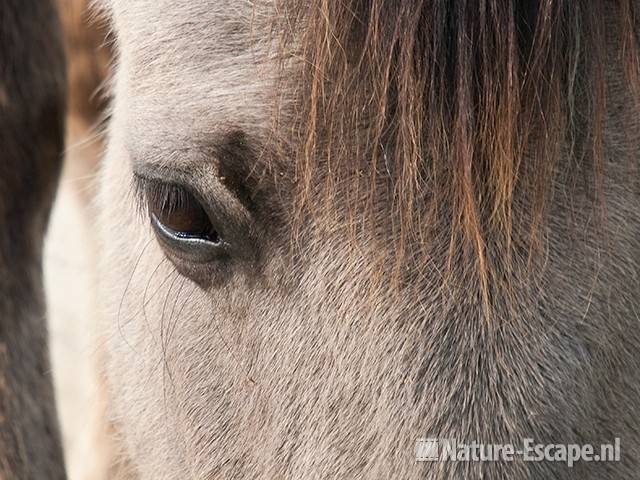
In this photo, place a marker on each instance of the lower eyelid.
(196, 249)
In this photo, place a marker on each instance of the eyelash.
(155, 193)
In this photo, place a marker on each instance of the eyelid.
(203, 185)
(206, 250)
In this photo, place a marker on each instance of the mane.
(456, 111)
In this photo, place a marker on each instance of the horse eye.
(181, 223)
(186, 220)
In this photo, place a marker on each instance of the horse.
(32, 107)
(331, 229)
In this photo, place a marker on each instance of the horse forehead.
(183, 37)
(202, 19)
(197, 66)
